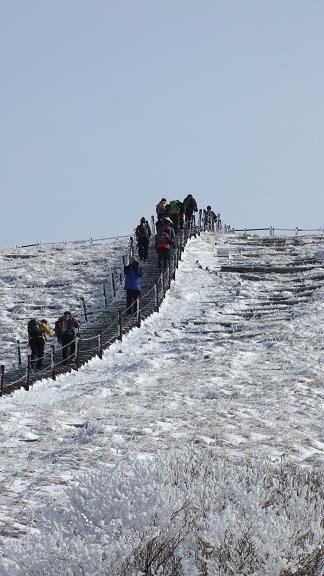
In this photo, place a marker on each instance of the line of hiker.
(173, 218)
(66, 328)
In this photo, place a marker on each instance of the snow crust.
(221, 368)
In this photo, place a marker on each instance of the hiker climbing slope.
(65, 330)
(143, 234)
(37, 337)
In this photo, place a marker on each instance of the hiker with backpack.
(37, 338)
(190, 205)
(65, 330)
(143, 234)
(162, 208)
(165, 238)
(176, 213)
(132, 286)
(210, 219)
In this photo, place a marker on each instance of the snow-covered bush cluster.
(181, 514)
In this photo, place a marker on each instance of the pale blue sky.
(106, 106)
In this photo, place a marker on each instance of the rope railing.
(272, 230)
(67, 242)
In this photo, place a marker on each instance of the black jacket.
(143, 231)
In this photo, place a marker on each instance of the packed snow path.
(233, 360)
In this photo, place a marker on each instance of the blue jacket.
(132, 278)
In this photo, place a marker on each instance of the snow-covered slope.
(233, 362)
(44, 281)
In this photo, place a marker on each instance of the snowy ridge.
(232, 364)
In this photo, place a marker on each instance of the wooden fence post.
(162, 284)
(28, 373)
(19, 352)
(100, 345)
(113, 284)
(156, 296)
(153, 225)
(169, 275)
(120, 326)
(2, 379)
(77, 351)
(84, 309)
(174, 265)
(105, 295)
(52, 363)
(131, 247)
(138, 312)
(200, 218)
(193, 226)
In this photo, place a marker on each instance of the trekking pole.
(113, 284)
(84, 309)
(138, 312)
(28, 373)
(19, 352)
(2, 379)
(52, 363)
(105, 295)
(120, 326)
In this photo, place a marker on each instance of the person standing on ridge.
(65, 329)
(190, 205)
(133, 275)
(37, 338)
(143, 234)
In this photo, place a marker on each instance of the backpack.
(174, 208)
(34, 328)
(163, 236)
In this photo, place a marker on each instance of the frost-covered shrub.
(182, 514)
